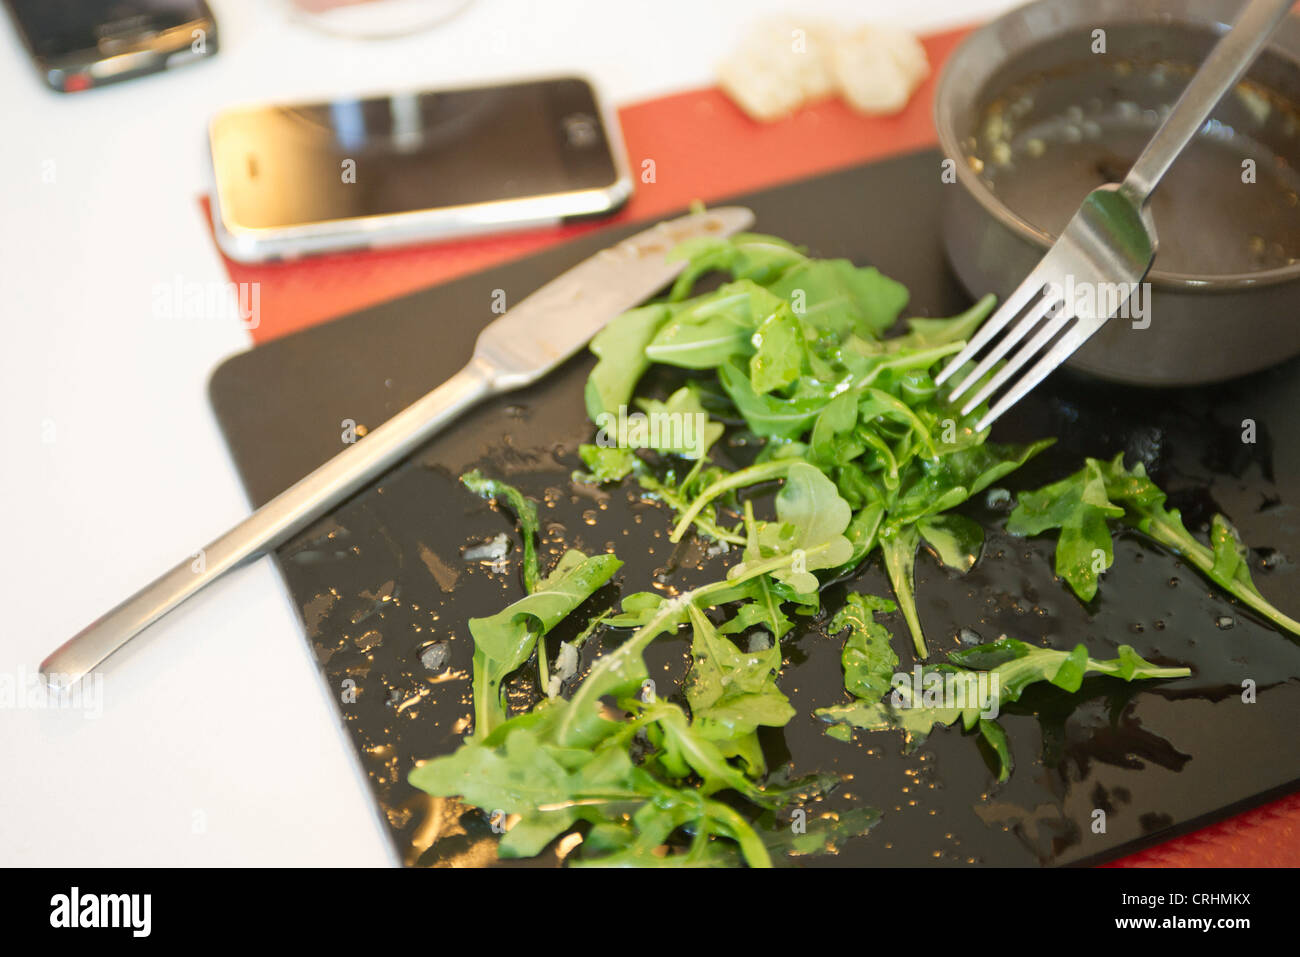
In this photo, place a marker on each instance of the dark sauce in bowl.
(1062, 120)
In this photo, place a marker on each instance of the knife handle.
(275, 522)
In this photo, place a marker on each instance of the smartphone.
(293, 181)
(80, 44)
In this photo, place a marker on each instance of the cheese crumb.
(782, 64)
(779, 66)
(878, 68)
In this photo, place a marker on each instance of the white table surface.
(214, 743)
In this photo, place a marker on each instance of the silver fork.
(1109, 244)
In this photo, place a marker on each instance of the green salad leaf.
(977, 683)
(732, 693)
(869, 661)
(525, 510)
(1082, 504)
(504, 641)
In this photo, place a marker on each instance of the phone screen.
(284, 166)
(59, 28)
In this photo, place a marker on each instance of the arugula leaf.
(990, 675)
(521, 769)
(898, 547)
(620, 346)
(1078, 506)
(605, 463)
(834, 437)
(869, 662)
(810, 522)
(504, 641)
(638, 609)
(745, 256)
(685, 428)
(769, 415)
(956, 476)
(525, 510)
(713, 328)
(742, 478)
(761, 608)
(1223, 562)
(779, 347)
(926, 333)
(839, 297)
(956, 539)
(1107, 490)
(732, 693)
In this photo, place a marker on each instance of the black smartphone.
(79, 44)
(297, 179)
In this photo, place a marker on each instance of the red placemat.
(703, 147)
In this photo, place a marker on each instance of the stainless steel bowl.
(1038, 107)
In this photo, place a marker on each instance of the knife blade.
(527, 342)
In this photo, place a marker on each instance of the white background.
(216, 745)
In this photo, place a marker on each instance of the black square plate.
(382, 580)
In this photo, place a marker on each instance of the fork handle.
(1225, 65)
(274, 523)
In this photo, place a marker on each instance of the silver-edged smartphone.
(80, 44)
(295, 180)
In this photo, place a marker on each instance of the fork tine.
(1055, 323)
(1004, 345)
(1008, 311)
(1064, 348)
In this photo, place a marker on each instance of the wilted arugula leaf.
(504, 641)
(779, 346)
(841, 298)
(824, 833)
(732, 693)
(522, 768)
(1141, 505)
(869, 661)
(834, 437)
(769, 415)
(745, 256)
(956, 539)
(714, 328)
(924, 333)
(809, 528)
(944, 484)
(1078, 506)
(525, 510)
(683, 428)
(620, 346)
(991, 676)
(605, 463)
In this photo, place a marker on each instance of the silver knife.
(526, 343)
